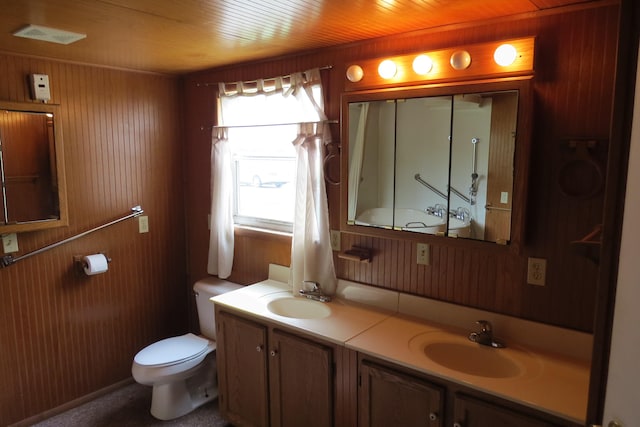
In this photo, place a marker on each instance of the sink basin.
(298, 308)
(457, 353)
(473, 359)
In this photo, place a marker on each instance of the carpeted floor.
(129, 407)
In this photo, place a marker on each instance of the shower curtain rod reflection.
(331, 122)
(9, 259)
(325, 67)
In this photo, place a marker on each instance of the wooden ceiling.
(180, 36)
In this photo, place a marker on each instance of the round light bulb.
(505, 54)
(460, 60)
(387, 69)
(422, 64)
(355, 73)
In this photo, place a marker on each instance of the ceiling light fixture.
(422, 64)
(505, 55)
(460, 60)
(497, 59)
(387, 69)
(52, 35)
(355, 73)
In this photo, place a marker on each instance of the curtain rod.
(325, 67)
(7, 260)
(331, 122)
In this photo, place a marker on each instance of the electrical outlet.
(10, 243)
(536, 271)
(423, 254)
(143, 224)
(335, 240)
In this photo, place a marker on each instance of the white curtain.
(295, 99)
(311, 253)
(355, 162)
(221, 238)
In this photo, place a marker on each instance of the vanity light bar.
(504, 58)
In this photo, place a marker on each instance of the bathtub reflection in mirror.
(428, 161)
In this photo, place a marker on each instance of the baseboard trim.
(72, 404)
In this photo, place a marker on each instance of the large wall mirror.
(31, 168)
(440, 160)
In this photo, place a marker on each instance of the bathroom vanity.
(289, 361)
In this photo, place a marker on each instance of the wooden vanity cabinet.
(389, 394)
(472, 412)
(243, 382)
(270, 377)
(391, 398)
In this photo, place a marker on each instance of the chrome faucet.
(315, 293)
(438, 210)
(485, 336)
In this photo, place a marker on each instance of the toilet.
(182, 369)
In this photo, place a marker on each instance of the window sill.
(262, 233)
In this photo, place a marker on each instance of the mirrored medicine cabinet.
(445, 160)
(31, 168)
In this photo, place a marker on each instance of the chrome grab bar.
(9, 259)
(418, 178)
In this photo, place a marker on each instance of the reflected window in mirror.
(31, 168)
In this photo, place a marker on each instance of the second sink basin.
(298, 308)
(461, 355)
(472, 359)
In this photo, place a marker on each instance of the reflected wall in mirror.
(31, 168)
(436, 160)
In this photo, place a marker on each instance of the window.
(266, 171)
(264, 176)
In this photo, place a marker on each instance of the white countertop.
(346, 320)
(552, 383)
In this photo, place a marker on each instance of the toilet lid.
(172, 350)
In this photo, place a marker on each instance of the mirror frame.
(520, 165)
(63, 219)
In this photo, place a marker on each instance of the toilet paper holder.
(78, 261)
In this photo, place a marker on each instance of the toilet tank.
(205, 289)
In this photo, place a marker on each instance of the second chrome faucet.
(485, 335)
(314, 292)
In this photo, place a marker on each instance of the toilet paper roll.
(95, 264)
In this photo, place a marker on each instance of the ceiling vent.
(47, 34)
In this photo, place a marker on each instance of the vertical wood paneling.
(63, 334)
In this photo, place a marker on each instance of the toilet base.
(175, 399)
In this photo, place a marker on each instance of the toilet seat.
(172, 351)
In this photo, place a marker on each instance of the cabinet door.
(389, 398)
(470, 412)
(242, 370)
(301, 381)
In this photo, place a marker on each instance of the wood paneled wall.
(63, 334)
(573, 84)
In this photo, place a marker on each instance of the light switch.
(504, 197)
(10, 243)
(143, 224)
(422, 257)
(335, 240)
